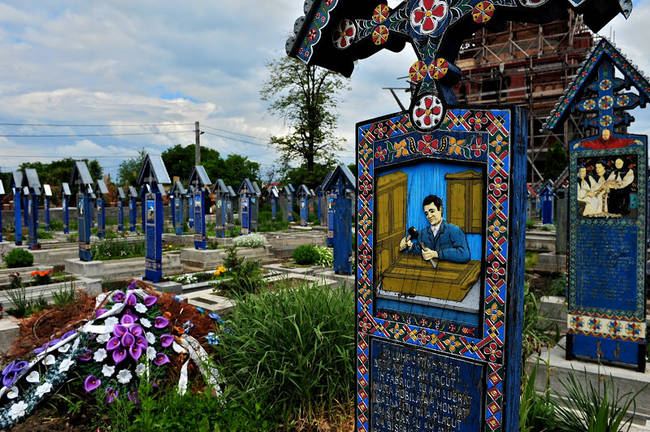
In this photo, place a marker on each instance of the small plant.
(56, 225)
(305, 255)
(530, 224)
(116, 249)
(19, 258)
(64, 296)
(246, 276)
(252, 240)
(22, 306)
(533, 339)
(16, 281)
(45, 235)
(537, 410)
(235, 231)
(42, 277)
(325, 256)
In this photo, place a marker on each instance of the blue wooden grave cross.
(255, 205)
(121, 196)
(65, 202)
(32, 191)
(2, 192)
(199, 182)
(153, 175)
(246, 194)
(420, 316)
(607, 211)
(133, 208)
(318, 194)
(229, 205)
(176, 194)
(47, 195)
(17, 182)
(547, 205)
(102, 191)
(342, 183)
(144, 190)
(83, 183)
(190, 206)
(222, 196)
(303, 195)
(274, 196)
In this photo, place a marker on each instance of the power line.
(96, 125)
(238, 139)
(233, 133)
(93, 135)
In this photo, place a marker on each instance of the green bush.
(19, 258)
(110, 249)
(45, 235)
(291, 349)
(305, 255)
(325, 256)
(245, 276)
(56, 225)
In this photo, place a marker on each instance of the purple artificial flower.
(119, 355)
(53, 342)
(127, 340)
(166, 340)
(127, 319)
(8, 368)
(19, 366)
(161, 359)
(131, 300)
(38, 350)
(141, 341)
(132, 285)
(161, 322)
(98, 314)
(119, 330)
(135, 351)
(91, 383)
(9, 378)
(118, 297)
(113, 343)
(133, 397)
(136, 330)
(68, 334)
(150, 300)
(111, 394)
(86, 356)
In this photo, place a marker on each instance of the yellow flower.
(400, 147)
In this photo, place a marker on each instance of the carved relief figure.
(606, 193)
(440, 239)
(620, 179)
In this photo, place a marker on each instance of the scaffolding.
(529, 65)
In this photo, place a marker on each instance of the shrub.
(19, 258)
(56, 225)
(325, 256)
(305, 255)
(235, 231)
(245, 276)
(250, 240)
(291, 349)
(45, 235)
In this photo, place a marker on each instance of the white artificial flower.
(65, 365)
(179, 349)
(124, 376)
(103, 338)
(33, 377)
(13, 393)
(99, 355)
(111, 321)
(141, 368)
(49, 360)
(43, 388)
(17, 410)
(145, 322)
(151, 353)
(108, 370)
(100, 298)
(140, 308)
(151, 338)
(64, 348)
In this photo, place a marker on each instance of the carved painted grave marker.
(199, 181)
(102, 191)
(83, 183)
(230, 208)
(547, 205)
(133, 208)
(255, 205)
(153, 175)
(274, 196)
(47, 192)
(32, 191)
(65, 202)
(341, 184)
(176, 194)
(121, 196)
(222, 196)
(303, 196)
(607, 212)
(17, 181)
(246, 193)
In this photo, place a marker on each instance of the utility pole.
(197, 144)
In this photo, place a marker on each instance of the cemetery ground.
(277, 326)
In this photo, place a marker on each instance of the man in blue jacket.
(440, 240)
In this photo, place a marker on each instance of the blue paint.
(32, 220)
(120, 215)
(84, 213)
(274, 208)
(172, 206)
(244, 215)
(547, 206)
(331, 197)
(200, 238)
(133, 211)
(46, 204)
(18, 229)
(304, 211)
(611, 350)
(178, 211)
(101, 217)
(153, 233)
(190, 206)
(428, 178)
(466, 318)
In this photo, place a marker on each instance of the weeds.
(65, 295)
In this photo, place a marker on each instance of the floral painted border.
(610, 327)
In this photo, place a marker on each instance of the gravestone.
(190, 206)
(437, 348)
(33, 192)
(246, 194)
(324, 201)
(199, 181)
(222, 196)
(83, 183)
(303, 196)
(17, 182)
(531, 202)
(547, 205)
(2, 192)
(318, 195)
(255, 205)
(121, 196)
(342, 184)
(230, 207)
(153, 175)
(176, 194)
(561, 223)
(133, 208)
(102, 191)
(607, 211)
(47, 195)
(331, 200)
(65, 202)
(285, 193)
(274, 196)
(144, 190)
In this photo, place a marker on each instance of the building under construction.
(529, 65)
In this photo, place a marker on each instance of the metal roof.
(199, 176)
(178, 188)
(132, 192)
(2, 188)
(47, 190)
(80, 174)
(220, 187)
(65, 189)
(120, 193)
(258, 192)
(273, 191)
(101, 186)
(17, 179)
(246, 186)
(344, 173)
(303, 191)
(32, 180)
(231, 191)
(153, 171)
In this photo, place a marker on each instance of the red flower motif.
(380, 130)
(381, 153)
(492, 351)
(427, 145)
(311, 35)
(429, 13)
(478, 147)
(428, 111)
(344, 34)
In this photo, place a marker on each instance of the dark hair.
(432, 199)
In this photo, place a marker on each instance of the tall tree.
(129, 169)
(305, 97)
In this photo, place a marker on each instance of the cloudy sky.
(116, 64)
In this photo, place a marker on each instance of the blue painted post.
(244, 214)
(342, 231)
(84, 219)
(172, 207)
(133, 212)
(17, 216)
(178, 210)
(190, 206)
(547, 206)
(120, 215)
(143, 211)
(220, 215)
(25, 210)
(200, 238)
(46, 204)
(153, 231)
(101, 217)
(274, 207)
(32, 216)
(331, 197)
(290, 207)
(66, 215)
